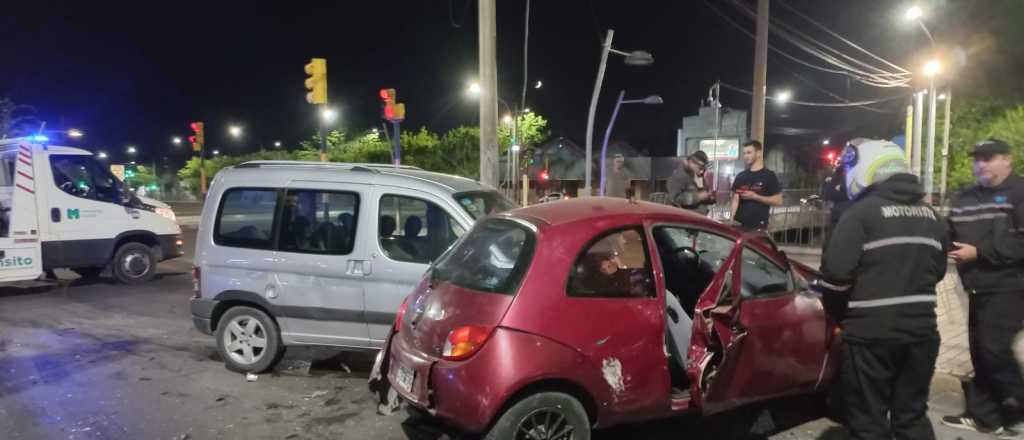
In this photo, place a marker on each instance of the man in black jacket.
(684, 190)
(887, 254)
(988, 233)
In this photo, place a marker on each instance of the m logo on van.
(73, 214)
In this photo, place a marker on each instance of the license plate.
(404, 377)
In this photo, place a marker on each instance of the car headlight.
(168, 213)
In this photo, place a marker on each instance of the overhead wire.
(819, 104)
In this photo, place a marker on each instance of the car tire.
(248, 340)
(530, 415)
(88, 273)
(134, 263)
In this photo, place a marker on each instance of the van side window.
(318, 222)
(246, 218)
(615, 266)
(414, 230)
(81, 176)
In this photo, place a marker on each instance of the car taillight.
(401, 314)
(196, 278)
(464, 341)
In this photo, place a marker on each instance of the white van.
(61, 209)
(312, 253)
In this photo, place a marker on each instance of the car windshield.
(479, 204)
(492, 258)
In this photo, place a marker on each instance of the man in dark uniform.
(684, 188)
(988, 238)
(886, 256)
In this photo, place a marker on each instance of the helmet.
(869, 162)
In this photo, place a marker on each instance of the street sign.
(725, 149)
(118, 170)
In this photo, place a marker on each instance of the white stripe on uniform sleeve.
(892, 301)
(892, 241)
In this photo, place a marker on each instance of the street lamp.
(235, 131)
(328, 115)
(277, 144)
(101, 155)
(635, 58)
(783, 97)
(507, 119)
(176, 140)
(824, 142)
(914, 13)
(539, 84)
(650, 100)
(131, 149)
(75, 133)
(473, 88)
(216, 152)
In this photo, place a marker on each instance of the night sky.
(138, 72)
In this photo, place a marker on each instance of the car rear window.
(493, 257)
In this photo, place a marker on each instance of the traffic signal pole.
(323, 139)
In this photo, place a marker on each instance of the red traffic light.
(544, 175)
(387, 94)
(192, 139)
(831, 156)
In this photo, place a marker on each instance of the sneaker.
(968, 424)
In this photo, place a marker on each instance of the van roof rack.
(370, 167)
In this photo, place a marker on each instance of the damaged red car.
(551, 320)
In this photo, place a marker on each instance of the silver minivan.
(311, 253)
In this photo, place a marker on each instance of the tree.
(975, 119)
(532, 129)
(15, 120)
(190, 172)
(460, 150)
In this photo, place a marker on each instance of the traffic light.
(544, 175)
(317, 81)
(391, 110)
(197, 138)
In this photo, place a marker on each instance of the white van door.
(82, 210)
(19, 233)
(320, 265)
(413, 228)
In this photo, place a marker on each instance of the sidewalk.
(951, 310)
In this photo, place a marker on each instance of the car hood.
(153, 202)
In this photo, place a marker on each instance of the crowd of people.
(887, 249)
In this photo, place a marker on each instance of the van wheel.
(547, 416)
(248, 340)
(88, 273)
(134, 263)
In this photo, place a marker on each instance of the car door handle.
(359, 267)
(55, 215)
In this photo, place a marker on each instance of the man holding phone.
(755, 190)
(987, 223)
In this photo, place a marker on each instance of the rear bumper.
(202, 314)
(171, 246)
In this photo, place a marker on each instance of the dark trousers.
(993, 321)
(884, 389)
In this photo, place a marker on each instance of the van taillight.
(401, 314)
(464, 341)
(196, 278)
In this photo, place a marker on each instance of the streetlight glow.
(932, 67)
(102, 155)
(75, 133)
(783, 96)
(527, 110)
(216, 152)
(539, 84)
(824, 142)
(914, 13)
(131, 149)
(235, 131)
(176, 140)
(277, 144)
(474, 88)
(507, 119)
(329, 114)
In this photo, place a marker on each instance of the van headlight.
(168, 213)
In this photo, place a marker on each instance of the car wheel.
(134, 263)
(88, 273)
(547, 416)
(248, 340)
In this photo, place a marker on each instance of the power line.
(820, 104)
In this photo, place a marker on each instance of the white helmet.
(869, 162)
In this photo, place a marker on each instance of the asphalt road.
(107, 361)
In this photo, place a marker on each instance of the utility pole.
(945, 147)
(760, 72)
(589, 161)
(918, 131)
(929, 173)
(488, 92)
